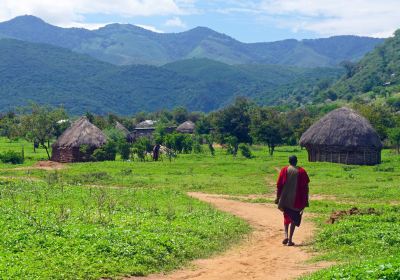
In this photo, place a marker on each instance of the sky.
(247, 21)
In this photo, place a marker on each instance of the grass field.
(101, 209)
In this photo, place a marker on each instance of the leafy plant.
(245, 150)
(12, 157)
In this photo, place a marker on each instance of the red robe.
(301, 199)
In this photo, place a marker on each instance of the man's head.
(293, 160)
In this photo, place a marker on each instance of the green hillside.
(378, 72)
(51, 75)
(125, 44)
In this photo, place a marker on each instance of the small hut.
(119, 126)
(127, 134)
(343, 136)
(67, 148)
(142, 129)
(186, 127)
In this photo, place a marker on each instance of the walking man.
(292, 197)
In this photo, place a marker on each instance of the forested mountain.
(56, 76)
(378, 71)
(124, 44)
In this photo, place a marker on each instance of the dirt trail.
(261, 256)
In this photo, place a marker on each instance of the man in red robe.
(292, 197)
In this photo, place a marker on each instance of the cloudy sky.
(248, 21)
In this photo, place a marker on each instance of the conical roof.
(121, 128)
(341, 127)
(81, 132)
(146, 124)
(186, 127)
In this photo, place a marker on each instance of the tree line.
(235, 127)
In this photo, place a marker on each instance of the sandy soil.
(44, 165)
(260, 256)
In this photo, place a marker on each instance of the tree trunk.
(271, 151)
(47, 150)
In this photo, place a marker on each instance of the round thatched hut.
(186, 127)
(119, 126)
(342, 136)
(67, 148)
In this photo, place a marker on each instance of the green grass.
(60, 231)
(148, 194)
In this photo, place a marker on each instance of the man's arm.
(280, 183)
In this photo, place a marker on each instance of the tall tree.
(234, 120)
(40, 124)
(267, 127)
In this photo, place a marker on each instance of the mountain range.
(124, 44)
(56, 76)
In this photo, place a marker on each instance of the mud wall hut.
(343, 136)
(146, 129)
(82, 133)
(186, 127)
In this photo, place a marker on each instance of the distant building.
(144, 129)
(67, 148)
(186, 127)
(119, 126)
(343, 136)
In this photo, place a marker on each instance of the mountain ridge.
(56, 76)
(126, 44)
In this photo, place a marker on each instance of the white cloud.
(65, 12)
(150, 27)
(175, 22)
(326, 17)
(90, 26)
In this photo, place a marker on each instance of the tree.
(266, 127)
(394, 136)
(180, 115)
(234, 120)
(40, 124)
(379, 116)
(10, 127)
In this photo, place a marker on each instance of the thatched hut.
(67, 148)
(143, 129)
(342, 136)
(119, 126)
(186, 127)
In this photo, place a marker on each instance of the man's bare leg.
(292, 228)
(285, 241)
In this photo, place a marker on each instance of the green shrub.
(12, 157)
(233, 145)
(141, 147)
(124, 150)
(197, 147)
(107, 152)
(245, 150)
(180, 143)
(209, 140)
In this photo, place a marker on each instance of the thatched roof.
(341, 127)
(121, 128)
(146, 124)
(81, 132)
(186, 127)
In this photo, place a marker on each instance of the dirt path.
(261, 256)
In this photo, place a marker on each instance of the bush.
(209, 140)
(180, 143)
(245, 150)
(141, 147)
(107, 152)
(197, 147)
(12, 157)
(124, 150)
(233, 147)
